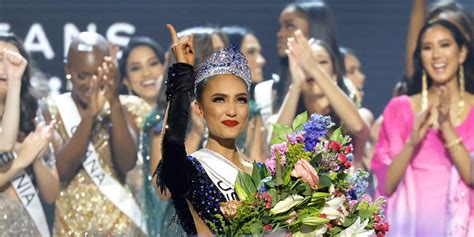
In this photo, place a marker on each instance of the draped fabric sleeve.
(395, 130)
(173, 168)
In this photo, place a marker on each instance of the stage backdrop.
(375, 29)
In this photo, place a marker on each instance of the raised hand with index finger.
(183, 48)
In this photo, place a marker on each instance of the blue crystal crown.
(225, 61)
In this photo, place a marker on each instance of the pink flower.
(271, 165)
(267, 228)
(281, 150)
(229, 208)
(293, 139)
(305, 171)
(292, 218)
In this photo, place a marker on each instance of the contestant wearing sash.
(96, 145)
(201, 181)
(23, 171)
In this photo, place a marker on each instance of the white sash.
(109, 187)
(221, 171)
(26, 191)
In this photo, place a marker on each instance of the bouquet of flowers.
(307, 187)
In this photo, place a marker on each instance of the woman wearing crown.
(201, 181)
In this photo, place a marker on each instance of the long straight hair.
(28, 102)
(416, 84)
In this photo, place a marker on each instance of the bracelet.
(454, 143)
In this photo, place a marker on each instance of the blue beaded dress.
(183, 175)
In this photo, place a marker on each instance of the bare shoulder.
(469, 98)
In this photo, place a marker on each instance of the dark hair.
(415, 82)
(463, 17)
(136, 42)
(340, 82)
(28, 103)
(346, 51)
(236, 34)
(160, 54)
(322, 27)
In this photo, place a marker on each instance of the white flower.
(316, 233)
(287, 204)
(331, 208)
(357, 229)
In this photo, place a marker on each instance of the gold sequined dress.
(81, 208)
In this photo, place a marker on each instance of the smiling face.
(224, 106)
(252, 50)
(144, 73)
(290, 20)
(82, 66)
(3, 75)
(440, 54)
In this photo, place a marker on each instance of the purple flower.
(279, 149)
(271, 165)
(314, 129)
(296, 138)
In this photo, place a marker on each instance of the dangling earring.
(462, 86)
(129, 91)
(424, 91)
(68, 82)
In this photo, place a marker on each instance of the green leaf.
(337, 135)
(348, 221)
(287, 178)
(281, 130)
(319, 195)
(299, 121)
(278, 175)
(256, 175)
(271, 184)
(241, 193)
(277, 140)
(324, 181)
(314, 220)
(245, 184)
(308, 190)
(335, 230)
(364, 214)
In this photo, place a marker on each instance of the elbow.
(126, 163)
(65, 175)
(467, 180)
(51, 197)
(362, 132)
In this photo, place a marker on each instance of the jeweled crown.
(225, 61)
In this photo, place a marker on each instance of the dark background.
(375, 29)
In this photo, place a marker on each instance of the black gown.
(183, 175)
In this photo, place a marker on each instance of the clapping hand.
(444, 105)
(35, 144)
(420, 126)
(110, 75)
